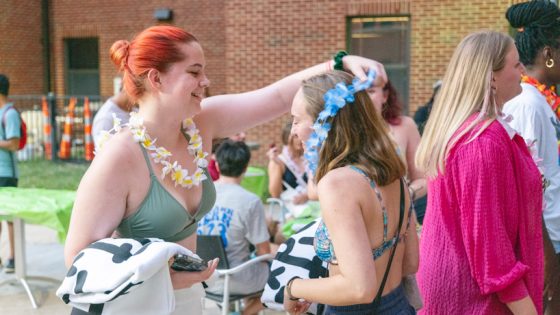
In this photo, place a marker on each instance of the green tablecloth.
(256, 181)
(309, 214)
(47, 207)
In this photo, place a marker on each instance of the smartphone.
(188, 263)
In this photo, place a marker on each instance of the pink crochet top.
(481, 245)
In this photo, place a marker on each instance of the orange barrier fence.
(87, 131)
(47, 129)
(66, 143)
(58, 126)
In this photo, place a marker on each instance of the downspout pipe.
(45, 32)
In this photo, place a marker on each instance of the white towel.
(122, 276)
(296, 257)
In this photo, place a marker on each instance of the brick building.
(62, 45)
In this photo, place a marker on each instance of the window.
(387, 40)
(82, 66)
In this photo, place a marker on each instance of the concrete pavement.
(44, 258)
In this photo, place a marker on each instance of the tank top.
(161, 215)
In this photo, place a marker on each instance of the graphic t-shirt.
(238, 217)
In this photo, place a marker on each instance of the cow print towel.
(296, 257)
(122, 276)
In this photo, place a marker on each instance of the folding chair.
(277, 209)
(211, 246)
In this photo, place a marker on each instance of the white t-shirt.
(103, 119)
(534, 120)
(238, 217)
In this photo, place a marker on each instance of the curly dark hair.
(540, 24)
(392, 109)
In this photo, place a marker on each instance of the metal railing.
(30, 107)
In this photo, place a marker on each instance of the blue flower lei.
(335, 99)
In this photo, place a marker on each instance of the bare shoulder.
(342, 181)
(210, 109)
(342, 191)
(408, 121)
(408, 124)
(406, 129)
(120, 152)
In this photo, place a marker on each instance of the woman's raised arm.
(224, 115)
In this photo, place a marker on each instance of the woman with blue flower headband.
(368, 231)
(150, 178)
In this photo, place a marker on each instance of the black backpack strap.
(377, 299)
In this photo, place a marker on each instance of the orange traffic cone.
(87, 131)
(66, 144)
(46, 129)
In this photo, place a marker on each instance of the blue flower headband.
(335, 99)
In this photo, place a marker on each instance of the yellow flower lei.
(161, 155)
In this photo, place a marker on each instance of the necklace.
(161, 155)
(548, 92)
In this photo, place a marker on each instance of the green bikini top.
(161, 215)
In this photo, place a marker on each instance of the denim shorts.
(393, 303)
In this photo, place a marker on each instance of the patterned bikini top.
(322, 242)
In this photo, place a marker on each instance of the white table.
(21, 262)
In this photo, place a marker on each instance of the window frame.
(69, 72)
(404, 96)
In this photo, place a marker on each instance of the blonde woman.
(368, 232)
(481, 250)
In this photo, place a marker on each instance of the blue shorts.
(393, 303)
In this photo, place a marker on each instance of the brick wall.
(260, 48)
(21, 50)
(113, 20)
(436, 29)
(248, 43)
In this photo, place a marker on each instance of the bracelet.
(289, 289)
(338, 60)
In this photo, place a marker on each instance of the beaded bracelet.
(289, 289)
(338, 60)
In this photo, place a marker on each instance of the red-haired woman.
(405, 133)
(136, 188)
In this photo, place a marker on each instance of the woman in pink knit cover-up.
(481, 248)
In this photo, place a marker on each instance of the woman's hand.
(272, 155)
(295, 307)
(359, 66)
(185, 279)
(525, 306)
(300, 198)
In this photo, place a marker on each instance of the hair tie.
(126, 48)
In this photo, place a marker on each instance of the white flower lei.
(160, 155)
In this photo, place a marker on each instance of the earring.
(549, 63)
